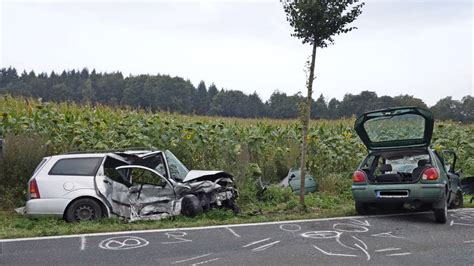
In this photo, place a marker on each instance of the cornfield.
(206, 142)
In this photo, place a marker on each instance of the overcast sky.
(420, 48)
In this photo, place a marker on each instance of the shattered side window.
(177, 169)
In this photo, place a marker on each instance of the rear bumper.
(426, 193)
(45, 207)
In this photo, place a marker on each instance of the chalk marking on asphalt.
(463, 224)
(261, 248)
(233, 232)
(469, 241)
(204, 262)
(193, 258)
(363, 243)
(177, 236)
(364, 223)
(387, 249)
(256, 242)
(215, 226)
(350, 228)
(290, 227)
(83, 242)
(387, 234)
(123, 242)
(398, 254)
(363, 250)
(334, 254)
(338, 240)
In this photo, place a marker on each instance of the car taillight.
(358, 176)
(34, 191)
(430, 174)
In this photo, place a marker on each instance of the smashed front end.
(140, 187)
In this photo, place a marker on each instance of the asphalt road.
(413, 239)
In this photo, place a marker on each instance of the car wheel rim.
(84, 213)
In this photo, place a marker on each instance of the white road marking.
(363, 243)
(177, 236)
(398, 254)
(256, 242)
(387, 249)
(204, 262)
(350, 228)
(338, 240)
(364, 223)
(469, 241)
(214, 227)
(83, 242)
(452, 223)
(123, 242)
(193, 258)
(233, 232)
(265, 246)
(387, 234)
(363, 250)
(334, 254)
(290, 227)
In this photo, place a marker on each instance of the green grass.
(14, 225)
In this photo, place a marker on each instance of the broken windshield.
(177, 169)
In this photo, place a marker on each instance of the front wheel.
(191, 206)
(83, 210)
(458, 201)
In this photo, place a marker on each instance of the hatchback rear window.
(76, 166)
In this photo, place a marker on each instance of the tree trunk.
(306, 119)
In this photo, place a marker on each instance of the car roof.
(98, 154)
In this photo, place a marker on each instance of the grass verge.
(280, 206)
(15, 226)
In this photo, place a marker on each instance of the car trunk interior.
(395, 167)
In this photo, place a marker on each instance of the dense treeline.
(174, 94)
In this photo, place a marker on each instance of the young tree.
(315, 22)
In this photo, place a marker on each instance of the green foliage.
(317, 21)
(276, 195)
(34, 129)
(174, 94)
(20, 157)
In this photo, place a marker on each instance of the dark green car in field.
(400, 167)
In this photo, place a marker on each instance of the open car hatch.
(401, 127)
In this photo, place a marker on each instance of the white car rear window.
(76, 166)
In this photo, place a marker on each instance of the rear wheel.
(361, 208)
(441, 214)
(83, 210)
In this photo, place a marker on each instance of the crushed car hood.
(197, 174)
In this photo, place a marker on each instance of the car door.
(150, 193)
(112, 186)
(449, 159)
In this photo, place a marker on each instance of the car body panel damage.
(152, 186)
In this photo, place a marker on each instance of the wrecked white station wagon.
(133, 185)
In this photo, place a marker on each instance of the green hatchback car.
(400, 167)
